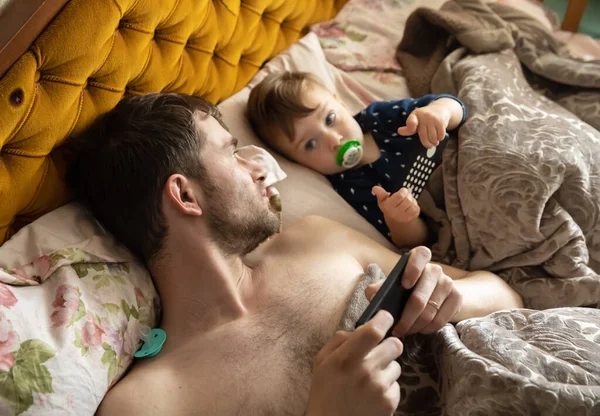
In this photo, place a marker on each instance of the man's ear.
(181, 194)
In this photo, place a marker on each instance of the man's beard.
(238, 222)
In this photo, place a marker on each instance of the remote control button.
(431, 152)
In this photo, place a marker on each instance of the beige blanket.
(518, 362)
(522, 181)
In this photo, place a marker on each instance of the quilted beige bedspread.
(516, 362)
(520, 187)
(522, 181)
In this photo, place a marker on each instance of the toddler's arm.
(401, 212)
(432, 121)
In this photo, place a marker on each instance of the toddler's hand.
(431, 123)
(400, 207)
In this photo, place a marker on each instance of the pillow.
(581, 46)
(74, 306)
(306, 192)
(364, 35)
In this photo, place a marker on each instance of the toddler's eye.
(310, 145)
(330, 119)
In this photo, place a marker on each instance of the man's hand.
(434, 301)
(432, 121)
(356, 374)
(400, 207)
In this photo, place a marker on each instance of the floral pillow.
(74, 308)
(365, 33)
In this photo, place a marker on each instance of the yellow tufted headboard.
(96, 51)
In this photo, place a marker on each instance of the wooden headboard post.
(21, 22)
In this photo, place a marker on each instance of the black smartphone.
(391, 297)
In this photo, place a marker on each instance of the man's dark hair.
(125, 158)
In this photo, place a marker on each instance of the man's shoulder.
(316, 222)
(120, 400)
(136, 393)
(317, 231)
(308, 229)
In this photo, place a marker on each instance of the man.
(244, 322)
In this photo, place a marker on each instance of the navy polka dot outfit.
(382, 119)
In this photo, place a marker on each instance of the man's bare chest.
(262, 363)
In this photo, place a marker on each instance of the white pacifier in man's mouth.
(349, 154)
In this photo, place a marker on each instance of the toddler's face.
(318, 136)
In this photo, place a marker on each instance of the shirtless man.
(162, 174)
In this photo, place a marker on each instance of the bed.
(521, 199)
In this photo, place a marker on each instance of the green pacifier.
(153, 343)
(349, 154)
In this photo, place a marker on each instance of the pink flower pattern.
(9, 341)
(329, 30)
(139, 296)
(66, 304)
(91, 332)
(35, 272)
(7, 299)
(7, 361)
(42, 265)
(114, 333)
(24, 273)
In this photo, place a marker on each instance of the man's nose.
(257, 171)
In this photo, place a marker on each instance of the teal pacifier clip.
(152, 344)
(349, 154)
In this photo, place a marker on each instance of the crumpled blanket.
(515, 362)
(521, 183)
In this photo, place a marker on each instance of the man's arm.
(482, 292)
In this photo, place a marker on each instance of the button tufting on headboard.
(95, 51)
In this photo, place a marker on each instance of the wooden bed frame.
(574, 14)
(21, 23)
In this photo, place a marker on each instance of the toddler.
(362, 154)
